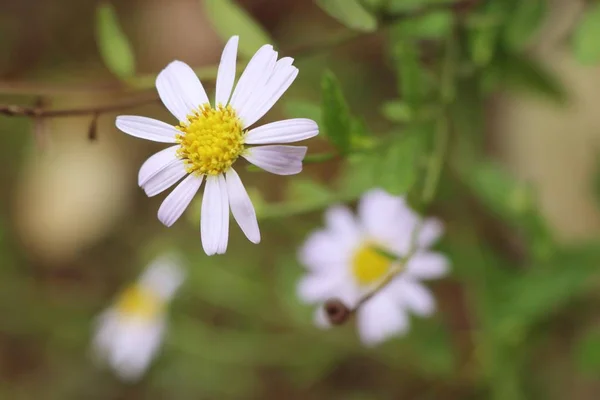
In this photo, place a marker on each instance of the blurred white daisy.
(347, 259)
(129, 333)
(210, 139)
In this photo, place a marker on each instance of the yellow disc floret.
(211, 140)
(369, 265)
(139, 302)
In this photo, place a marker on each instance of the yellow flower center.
(211, 140)
(369, 265)
(140, 302)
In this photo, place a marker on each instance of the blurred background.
(514, 84)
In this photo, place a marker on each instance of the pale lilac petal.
(319, 287)
(226, 73)
(157, 162)
(286, 131)
(322, 250)
(379, 319)
(413, 296)
(178, 200)
(224, 238)
(431, 230)
(427, 266)
(321, 319)
(165, 178)
(280, 160)
(180, 90)
(147, 128)
(241, 206)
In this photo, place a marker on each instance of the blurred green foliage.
(238, 330)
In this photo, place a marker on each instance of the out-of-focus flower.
(211, 139)
(349, 257)
(129, 333)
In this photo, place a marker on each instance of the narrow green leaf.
(412, 83)
(336, 118)
(525, 20)
(433, 25)
(350, 13)
(586, 39)
(114, 46)
(230, 19)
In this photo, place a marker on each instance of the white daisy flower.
(209, 140)
(345, 261)
(129, 333)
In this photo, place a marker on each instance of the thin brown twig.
(40, 112)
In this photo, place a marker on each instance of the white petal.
(156, 163)
(321, 319)
(163, 276)
(430, 232)
(165, 178)
(427, 266)
(275, 88)
(387, 219)
(256, 71)
(178, 200)
(379, 319)
(147, 128)
(180, 90)
(214, 220)
(241, 206)
(224, 238)
(226, 73)
(322, 250)
(286, 131)
(319, 287)
(413, 296)
(280, 160)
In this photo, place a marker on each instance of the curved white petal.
(157, 162)
(214, 220)
(165, 178)
(286, 131)
(146, 128)
(226, 73)
(273, 90)
(321, 319)
(430, 232)
(322, 250)
(412, 295)
(427, 266)
(379, 319)
(257, 70)
(387, 219)
(180, 89)
(163, 276)
(280, 160)
(241, 206)
(319, 287)
(178, 200)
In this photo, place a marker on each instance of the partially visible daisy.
(345, 261)
(129, 333)
(211, 138)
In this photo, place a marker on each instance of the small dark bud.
(336, 311)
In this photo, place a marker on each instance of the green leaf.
(411, 78)
(350, 13)
(229, 19)
(525, 20)
(398, 169)
(114, 47)
(587, 353)
(586, 39)
(433, 25)
(336, 118)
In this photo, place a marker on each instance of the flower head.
(350, 256)
(209, 139)
(129, 333)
